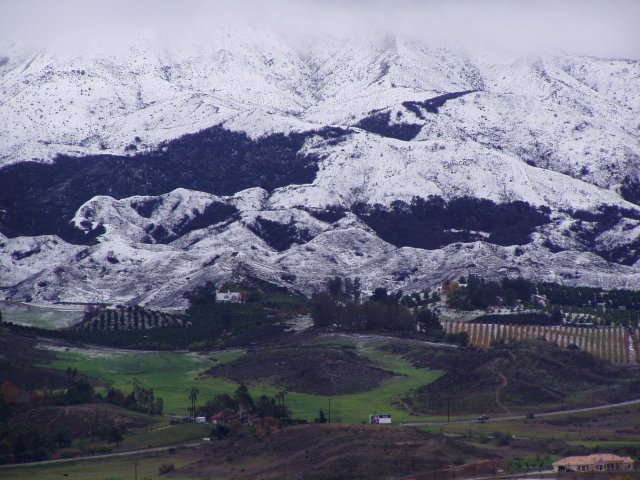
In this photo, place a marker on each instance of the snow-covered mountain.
(135, 211)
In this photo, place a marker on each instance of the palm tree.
(193, 396)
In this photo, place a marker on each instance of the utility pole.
(329, 410)
(284, 406)
(448, 411)
(135, 470)
(281, 395)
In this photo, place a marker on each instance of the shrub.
(166, 468)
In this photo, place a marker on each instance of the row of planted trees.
(340, 305)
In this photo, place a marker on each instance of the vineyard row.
(615, 344)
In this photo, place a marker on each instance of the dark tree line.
(214, 160)
(380, 123)
(434, 223)
(432, 105)
(205, 324)
(589, 225)
(140, 400)
(340, 305)
(476, 292)
(241, 402)
(590, 297)
(279, 236)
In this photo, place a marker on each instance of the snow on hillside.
(558, 130)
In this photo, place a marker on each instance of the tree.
(324, 310)
(193, 397)
(353, 289)
(202, 295)
(5, 412)
(428, 321)
(220, 404)
(242, 396)
(556, 316)
(334, 286)
(321, 417)
(380, 294)
(461, 338)
(62, 437)
(115, 435)
(10, 392)
(265, 407)
(80, 392)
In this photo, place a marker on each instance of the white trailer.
(380, 418)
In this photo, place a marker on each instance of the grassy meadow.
(172, 374)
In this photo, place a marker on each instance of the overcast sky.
(607, 28)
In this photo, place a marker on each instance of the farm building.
(218, 418)
(233, 297)
(380, 418)
(597, 462)
(540, 300)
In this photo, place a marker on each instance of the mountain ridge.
(375, 122)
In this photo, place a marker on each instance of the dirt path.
(98, 457)
(372, 338)
(503, 384)
(410, 409)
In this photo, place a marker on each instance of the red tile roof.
(593, 459)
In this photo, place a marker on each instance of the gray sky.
(607, 28)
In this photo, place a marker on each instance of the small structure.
(218, 418)
(380, 418)
(597, 462)
(201, 419)
(541, 300)
(228, 296)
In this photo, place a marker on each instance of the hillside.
(333, 452)
(518, 377)
(20, 361)
(320, 370)
(383, 157)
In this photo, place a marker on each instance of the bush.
(166, 468)
(502, 438)
(219, 431)
(70, 452)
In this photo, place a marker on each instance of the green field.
(41, 317)
(172, 374)
(165, 436)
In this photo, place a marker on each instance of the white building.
(597, 462)
(380, 418)
(228, 296)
